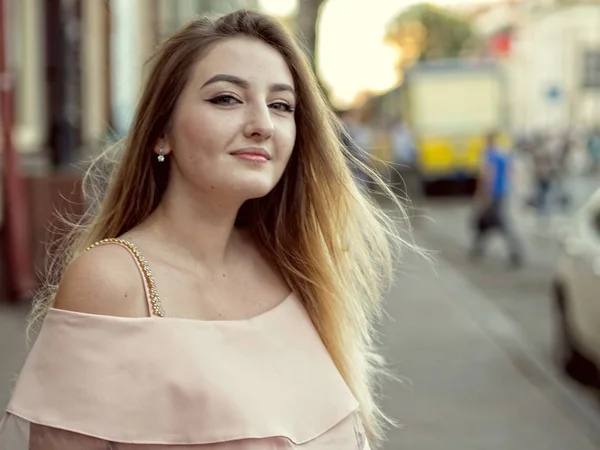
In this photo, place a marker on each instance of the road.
(475, 342)
(472, 345)
(522, 295)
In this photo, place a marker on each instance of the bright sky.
(352, 56)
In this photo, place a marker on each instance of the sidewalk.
(13, 349)
(473, 384)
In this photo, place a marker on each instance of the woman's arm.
(102, 281)
(105, 280)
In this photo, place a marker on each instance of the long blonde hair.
(331, 241)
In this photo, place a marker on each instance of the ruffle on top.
(170, 381)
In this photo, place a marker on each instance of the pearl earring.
(161, 156)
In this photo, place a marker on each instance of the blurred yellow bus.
(449, 106)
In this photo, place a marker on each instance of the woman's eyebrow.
(276, 87)
(229, 79)
(279, 87)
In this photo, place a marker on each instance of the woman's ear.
(162, 147)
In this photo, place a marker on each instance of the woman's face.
(233, 128)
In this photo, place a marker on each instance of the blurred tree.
(426, 32)
(308, 14)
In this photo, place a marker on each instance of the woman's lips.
(254, 157)
(254, 154)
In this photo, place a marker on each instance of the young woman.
(222, 291)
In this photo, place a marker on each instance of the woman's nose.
(259, 123)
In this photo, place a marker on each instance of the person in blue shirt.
(491, 197)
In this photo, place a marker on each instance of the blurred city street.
(472, 344)
(473, 378)
(476, 344)
(496, 101)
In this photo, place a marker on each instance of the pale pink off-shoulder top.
(102, 382)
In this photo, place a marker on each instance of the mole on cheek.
(212, 187)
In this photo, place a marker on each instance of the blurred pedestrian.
(268, 265)
(404, 177)
(403, 145)
(563, 168)
(491, 198)
(358, 140)
(545, 172)
(593, 148)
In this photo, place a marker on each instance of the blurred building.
(551, 52)
(78, 66)
(92, 54)
(556, 64)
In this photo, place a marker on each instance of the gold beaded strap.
(154, 304)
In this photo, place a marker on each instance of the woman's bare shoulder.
(104, 280)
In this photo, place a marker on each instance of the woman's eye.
(224, 100)
(281, 106)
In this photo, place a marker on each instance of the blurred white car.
(577, 295)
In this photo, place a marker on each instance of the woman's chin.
(258, 193)
(254, 189)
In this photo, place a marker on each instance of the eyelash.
(219, 100)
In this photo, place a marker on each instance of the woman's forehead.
(246, 58)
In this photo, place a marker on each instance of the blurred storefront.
(78, 66)
(92, 54)
(558, 85)
(550, 51)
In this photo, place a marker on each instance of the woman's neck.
(202, 230)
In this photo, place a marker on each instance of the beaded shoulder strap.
(154, 303)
